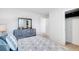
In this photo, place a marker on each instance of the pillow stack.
(12, 42)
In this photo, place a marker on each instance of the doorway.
(72, 29)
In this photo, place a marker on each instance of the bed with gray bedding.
(39, 43)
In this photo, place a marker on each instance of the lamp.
(2, 29)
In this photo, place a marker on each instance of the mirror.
(24, 23)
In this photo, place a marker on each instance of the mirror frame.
(26, 23)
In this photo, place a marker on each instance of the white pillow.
(12, 41)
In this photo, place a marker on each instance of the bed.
(38, 43)
(3, 45)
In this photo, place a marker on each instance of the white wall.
(43, 24)
(9, 17)
(75, 30)
(56, 25)
(68, 29)
(72, 31)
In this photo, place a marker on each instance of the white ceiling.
(66, 9)
(42, 11)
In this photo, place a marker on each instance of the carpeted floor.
(72, 47)
(38, 43)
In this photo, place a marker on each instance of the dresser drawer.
(24, 33)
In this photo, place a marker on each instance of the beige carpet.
(72, 47)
